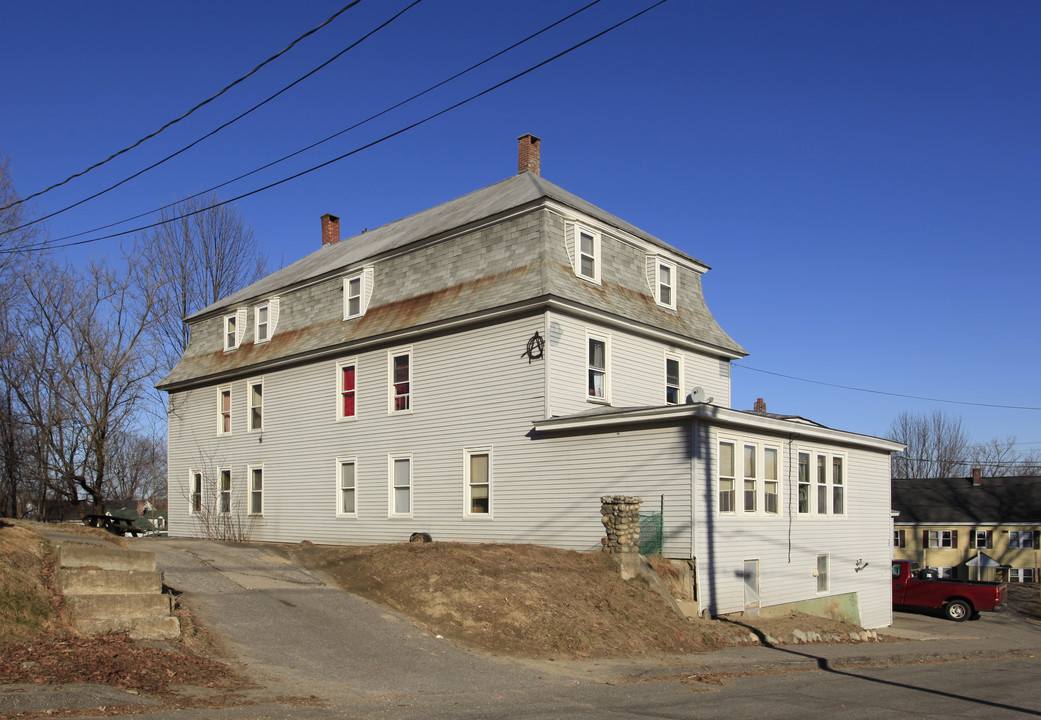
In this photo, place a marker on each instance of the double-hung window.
(982, 539)
(231, 332)
(1023, 539)
(256, 405)
(225, 492)
(899, 539)
(822, 485)
(838, 487)
(400, 381)
(941, 538)
(224, 411)
(751, 483)
(400, 471)
(1021, 575)
(261, 324)
(727, 477)
(672, 380)
(256, 491)
(599, 357)
(665, 294)
(589, 255)
(804, 482)
(347, 487)
(195, 493)
(771, 494)
(478, 480)
(346, 374)
(357, 288)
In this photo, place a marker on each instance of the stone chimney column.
(330, 229)
(528, 153)
(620, 515)
(760, 406)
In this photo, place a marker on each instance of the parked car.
(958, 599)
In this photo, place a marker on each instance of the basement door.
(751, 576)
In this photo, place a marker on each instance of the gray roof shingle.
(997, 501)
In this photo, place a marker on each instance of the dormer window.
(261, 317)
(583, 249)
(231, 332)
(357, 289)
(589, 255)
(666, 285)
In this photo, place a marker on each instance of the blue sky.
(863, 178)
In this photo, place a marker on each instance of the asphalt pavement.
(307, 644)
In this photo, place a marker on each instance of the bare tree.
(1002, 458)
(198, 256)
(81, 368)
(137, 466)
(936, 445)
(15, 241)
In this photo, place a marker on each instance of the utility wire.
(883, 392)
(334, 135)
(970, 463)
(221, 127)
(210, 99)
(362, 147)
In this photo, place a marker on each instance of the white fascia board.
(980, 524)
(724, 417)
(571, 214)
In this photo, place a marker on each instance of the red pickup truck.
(959, 600)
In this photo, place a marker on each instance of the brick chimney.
(977, 477)
(528, 153)
(760, 406)
(330, 229)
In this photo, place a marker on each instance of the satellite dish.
(697, 395)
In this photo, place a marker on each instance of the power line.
(221, 127)
(883, 392)
(210, 99)
(362, 147)
(334, 135)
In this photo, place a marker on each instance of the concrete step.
(120, 606)
(89, 581)
(138, 628)
(97, 556)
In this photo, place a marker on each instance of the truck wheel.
(957, 610)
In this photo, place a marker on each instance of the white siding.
(637, 368)
(787, 545)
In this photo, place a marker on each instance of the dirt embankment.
(531, 601)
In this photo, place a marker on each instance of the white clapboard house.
(485, 371)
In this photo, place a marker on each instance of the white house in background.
(485, 371)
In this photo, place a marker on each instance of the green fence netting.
(650, 533)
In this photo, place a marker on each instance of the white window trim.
(364, 278)
(221, 389)
(605, 338)
(391, 513)
(391, 392)
(739, 442)
(679, 386)
(234, 317)
(192, 494)
(658, 265)
(829, 455)
(256, 323)
(347, 362)
(249, 489)
(467, 505)
(340, 461)
(597, 254)
(939, 540)
(220, 491)
(827, 574)
(250, 427)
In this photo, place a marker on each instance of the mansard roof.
(509, 194)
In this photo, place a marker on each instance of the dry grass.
(521, 600)
(29, 602)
